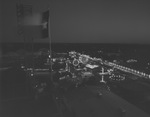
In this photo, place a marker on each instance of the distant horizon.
(80, 43)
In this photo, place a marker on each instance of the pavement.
(84, 101)
(28, 107)
(93, 101)
(80, 102)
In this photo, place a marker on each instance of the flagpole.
(50, 41)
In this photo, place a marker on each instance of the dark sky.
(101, 21)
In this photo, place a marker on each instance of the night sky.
(73, 21)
